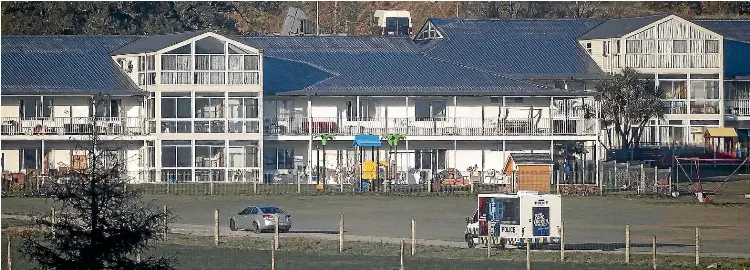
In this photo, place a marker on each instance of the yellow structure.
(369, 169)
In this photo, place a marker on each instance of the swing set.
(697, 186)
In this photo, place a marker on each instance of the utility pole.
(317, 18)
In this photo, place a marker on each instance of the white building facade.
(198, 106)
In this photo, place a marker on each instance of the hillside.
(353, 18)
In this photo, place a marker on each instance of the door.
(241, 220)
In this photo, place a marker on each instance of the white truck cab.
(514, 220)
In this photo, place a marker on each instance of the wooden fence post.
(489, 239)
(255, 187)
(697, 246)
(627, 243)
(10, 257)
(562, 242)
(276, 231)
(341, 234)
(167, 185)
(212, 188)
(643, 180)
(413, 236)
(656, 179)
(216, 227)
(653, 253)
(166, 229)
(273, 256)
(528, 254)
(557, 186)
(402, 254)
(52, 221)
(138, 257)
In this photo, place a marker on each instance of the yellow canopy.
(717, 132)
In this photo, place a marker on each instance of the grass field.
(193, 252)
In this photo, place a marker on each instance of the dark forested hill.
(353, 18)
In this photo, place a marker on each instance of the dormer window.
(429, 32)
(588, 47)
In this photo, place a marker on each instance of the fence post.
(402, 254)
(697, 246)
(273, 256)
(255, 187)
(276, 231)
(10, 258)
(615, 180)
(413, 236)
(167, 185)
(489, 240)
(562, 241)
(656, 179)
(557, 186)
(138, 257)
(653, 253)
(212, 188)
(528, 254)
(669, 175)
(643, 180)
(627, 243)
(216, 227)
(52, 221)
(341, 234)
(166, 229)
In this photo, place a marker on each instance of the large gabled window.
(210, 60)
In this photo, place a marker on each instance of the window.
(176, 66)
(30, 158)
(605, 45)
(245, 211)
(679, 46)
(704, 89)
(617, 47)
(209, 105)
(278, 158)
(368, 110)
(429, 33)
(176, 154)
(146, 66)
(428, 159)
(509, 211)
(175, 106)
(426, 110)
(711, 46)
(107, 108)
(271, 210)
(242, 154)
(254, 211)
(588, 47)
(35, 108)
(674, 89)
(633, 46)
(209, 154)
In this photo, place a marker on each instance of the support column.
(310, 140)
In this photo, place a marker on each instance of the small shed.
(530, 171)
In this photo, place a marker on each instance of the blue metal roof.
(367, 140)
(522, 48)
(731, 29)
(157, 42)
(619, 27)
(378, 66)
(736, 59)
(63, 65)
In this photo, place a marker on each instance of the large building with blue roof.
(198, 106)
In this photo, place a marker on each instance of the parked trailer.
(517, 219)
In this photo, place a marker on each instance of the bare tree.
(102, 224)
(628, 103)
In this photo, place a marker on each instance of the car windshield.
(271, 210)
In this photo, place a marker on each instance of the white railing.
(452, 126)
(738, 107)
(73, 125)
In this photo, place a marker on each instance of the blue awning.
(366, 140)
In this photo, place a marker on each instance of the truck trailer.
(515, 220)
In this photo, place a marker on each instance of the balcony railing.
(73, 126)
(458, 126)
(739, 107)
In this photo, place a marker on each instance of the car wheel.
(232, 226)
(256, 228)
(284, 230)
(470, 241)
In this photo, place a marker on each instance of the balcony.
(739, 107)
(117, 126)
(458, 126)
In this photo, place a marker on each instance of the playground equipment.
(697, 186)
(366, 177)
